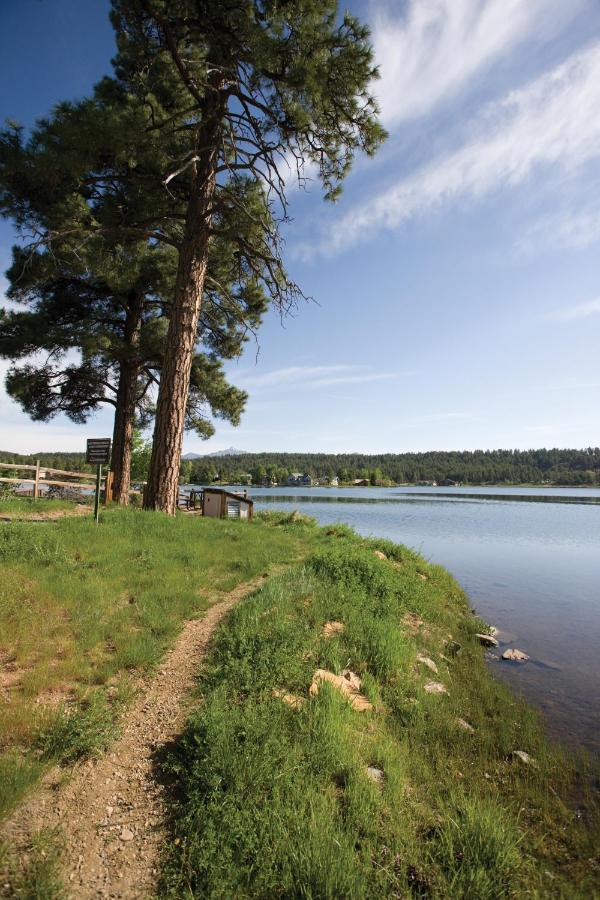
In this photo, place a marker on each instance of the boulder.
(291, 699)
(515, 655)
(425, 661)
(435, 687)
(332, 628)
(462, 723)
(375, 774)
(379, 554)
(487, 640)
(348, 683)
(524, 757)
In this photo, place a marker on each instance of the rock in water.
(487, 640)
(515, 655)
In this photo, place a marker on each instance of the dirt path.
(112, 810)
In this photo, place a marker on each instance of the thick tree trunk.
(163, 479)
(126, 403)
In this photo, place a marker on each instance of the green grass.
(23, 506)
(86, 609)
(275, 801)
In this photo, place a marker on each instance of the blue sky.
(457, 280)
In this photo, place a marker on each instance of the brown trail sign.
(98, 453)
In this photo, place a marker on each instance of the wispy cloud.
(569, 229)
(434, 48)
(314, 376)
(553, 122)
(580, 311)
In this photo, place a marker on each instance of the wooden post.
(97, 497)
(108, 487)
(36, 484)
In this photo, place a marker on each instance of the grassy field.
(85, 610)
(275, 798)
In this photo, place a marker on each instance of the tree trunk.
(126, 403)
(163, 479)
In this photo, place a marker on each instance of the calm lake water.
(529, 559)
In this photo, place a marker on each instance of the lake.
(529, 559)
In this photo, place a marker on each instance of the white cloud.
(580, 311)
(570, 229)
(551, 123)
(436, 47)
(314, 376)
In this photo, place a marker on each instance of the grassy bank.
(85, 610)
(284, 794)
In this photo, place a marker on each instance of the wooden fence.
(43, 476)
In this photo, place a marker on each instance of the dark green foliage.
(564, 467)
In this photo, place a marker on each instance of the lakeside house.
(427, 484)
(361, 482)
(296, 479)
(268, 481)
(332, 482)
(449, 482)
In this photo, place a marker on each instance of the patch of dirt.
(112, 810)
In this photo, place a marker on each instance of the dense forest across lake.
(560, 467)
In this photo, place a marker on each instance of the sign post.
(98, 453)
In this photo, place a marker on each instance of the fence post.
(36, 484)
(108, 487)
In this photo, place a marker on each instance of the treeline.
(561, 467)
(72, 462)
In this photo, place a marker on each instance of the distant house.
(427, 483)
(296, 479)
(333, 482)
(449, 482)
(361, 482)
(268, 481)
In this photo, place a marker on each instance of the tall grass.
(83, 608)
(276, 801)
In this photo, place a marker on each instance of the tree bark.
(126, 403)
(163, 478)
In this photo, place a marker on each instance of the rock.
(462, 723)
(379, 554)
(348, 683)
(515, 655)
(412, 622)
(425, 661)
(126, 834)
(487, 640)
(291, 699)
(109, 810)
(375, 774)
(331, 628)
(435, 687)
(524, 757)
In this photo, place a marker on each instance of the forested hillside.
(561, 467)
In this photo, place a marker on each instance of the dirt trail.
(112, 810)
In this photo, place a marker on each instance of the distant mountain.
(230, 451)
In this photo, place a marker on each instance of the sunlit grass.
(275, 801)
(83, 607)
